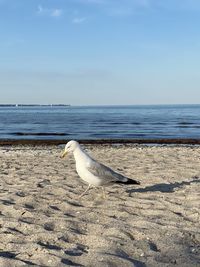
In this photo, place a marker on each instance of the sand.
(153, 224)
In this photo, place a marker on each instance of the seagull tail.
(129, 181)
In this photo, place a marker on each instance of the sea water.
(100, 122)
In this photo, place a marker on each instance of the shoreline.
(49, 142)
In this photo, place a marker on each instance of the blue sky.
(88, 52)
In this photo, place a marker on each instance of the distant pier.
(35, 105)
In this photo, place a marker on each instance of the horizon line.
(94, 105)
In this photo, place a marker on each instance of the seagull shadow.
(164, 188)
(14, 256)
(123, 255)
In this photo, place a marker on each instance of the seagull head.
(70, 147)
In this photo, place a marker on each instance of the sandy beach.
(157, 223)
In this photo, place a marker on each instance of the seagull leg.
(103, 192)
(85, 191)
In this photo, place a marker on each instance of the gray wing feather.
(104, 172)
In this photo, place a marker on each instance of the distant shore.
(47, 142)
(34, 105)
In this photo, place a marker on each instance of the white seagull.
(93, 172)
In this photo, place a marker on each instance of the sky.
(100, 52)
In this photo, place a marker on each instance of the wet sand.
(153, 224)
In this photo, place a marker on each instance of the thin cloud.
(79, 20)
(55, 12)
(40, 10)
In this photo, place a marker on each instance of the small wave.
(117, 123)
(136, 123)
(159, 123)
(185, 123)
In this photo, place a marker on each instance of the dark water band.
(47, 142)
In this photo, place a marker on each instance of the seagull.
(93, 172)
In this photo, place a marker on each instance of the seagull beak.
(63, 154)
